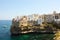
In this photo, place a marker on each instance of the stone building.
(35, 19)
(40, 19)
(48, 18)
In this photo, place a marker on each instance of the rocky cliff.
(57, 35)
(16, 29)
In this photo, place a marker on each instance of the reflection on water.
(33, 37)
(7, 36)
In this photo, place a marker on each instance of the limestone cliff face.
(18, 27)
(15, 28)
(24, 26)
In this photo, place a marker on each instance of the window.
(56, 17)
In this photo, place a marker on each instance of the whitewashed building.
(40, 19)
(56, 17)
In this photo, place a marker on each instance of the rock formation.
(17, 28)
(57, 35)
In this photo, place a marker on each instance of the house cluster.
(36, 19)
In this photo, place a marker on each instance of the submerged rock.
(4, 26)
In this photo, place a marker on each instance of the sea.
(5, 34)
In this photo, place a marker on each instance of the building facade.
(37, 19)
(56, 17)
(48, 18)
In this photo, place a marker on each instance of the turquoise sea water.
(5, 33)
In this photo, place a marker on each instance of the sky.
(12, 8)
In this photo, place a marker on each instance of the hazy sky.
(13, 8)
